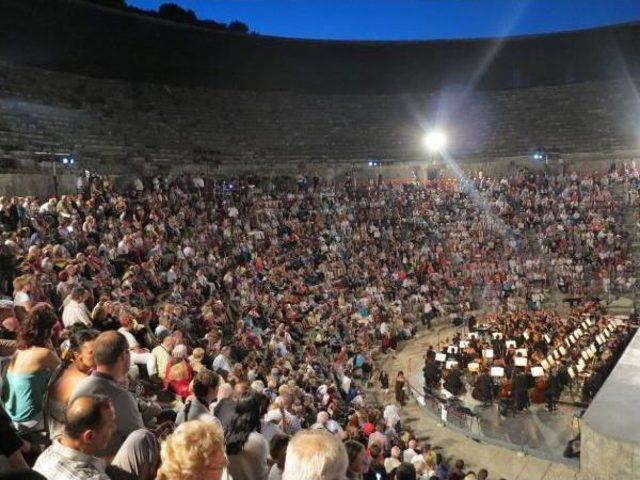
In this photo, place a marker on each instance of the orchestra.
(524, 357)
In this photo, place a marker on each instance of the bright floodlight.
(435, 141)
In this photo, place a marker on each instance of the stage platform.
(610, 430)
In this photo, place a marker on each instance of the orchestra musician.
(483, 387)
(431, 373)
(520, 389)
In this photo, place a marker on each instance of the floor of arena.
(505, 462)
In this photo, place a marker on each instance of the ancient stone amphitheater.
(125, 93)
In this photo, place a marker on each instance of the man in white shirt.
(221, 362)
(75, 310)
(392, 417)
(163, 351)
(48, 206)
(410, 452)
(139, 355)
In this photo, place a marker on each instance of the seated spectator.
(376, 467)
(441, 469)
(194, 451)
(79, 363)
(196, 358)
(224, 408)
(139, 355)
(405, 471)
(410, 451)
(89, 425)
(11, 445)
(21, 297)
(247, 449)
(111, 354)
(162, 352)
(9, 324)
(392, 462)
(75, 309)
(278, 453)
(457, 472)
(392, 418)
(358, 460)
(204, 390)
(429, 466)
(221, 364)
(379, 436)
(31, 368)
(179, 373)
(315, 455)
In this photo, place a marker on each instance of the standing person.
(384, 381)
(520, 390)
(399, 387)
(552, 392)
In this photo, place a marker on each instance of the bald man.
(89, 425)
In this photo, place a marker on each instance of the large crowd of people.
(193, 329)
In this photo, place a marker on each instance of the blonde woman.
(21, 295)
(194, 451)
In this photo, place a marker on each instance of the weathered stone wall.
(610, 429)
(119, 127)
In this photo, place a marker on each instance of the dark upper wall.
(117, 126)
(71, 36)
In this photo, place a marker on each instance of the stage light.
(370, 163)
(65, 160)
(435, 141)
(72, 161)
(540, 155)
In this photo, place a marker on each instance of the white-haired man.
(315, 455)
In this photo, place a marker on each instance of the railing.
(446, 412)
(459, 419)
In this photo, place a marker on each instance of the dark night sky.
(409, 19)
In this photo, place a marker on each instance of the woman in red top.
(179, 372)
